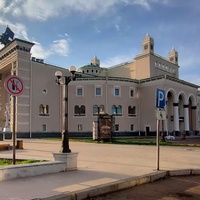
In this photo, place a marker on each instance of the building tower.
(95, 61)
(148, 44)
(173, 56)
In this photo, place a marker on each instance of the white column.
(194, 118)
(186, 117)
(176, 117)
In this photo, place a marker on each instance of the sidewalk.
(98, 164)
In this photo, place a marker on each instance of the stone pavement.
(98, 164)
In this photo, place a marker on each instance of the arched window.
(46, 110)
(134, 110)
(95, 110)
(76, 110)
(82, 110)
(114, 110)
(101, 109)
(41, 109)
(119, 110)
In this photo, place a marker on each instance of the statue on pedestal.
(7, 115)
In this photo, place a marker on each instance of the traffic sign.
(160, 114)
(160, 98)
(14, 85)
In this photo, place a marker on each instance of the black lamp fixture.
(64, 81)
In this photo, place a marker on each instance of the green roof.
(90, 65)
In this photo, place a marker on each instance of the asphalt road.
(172, 188)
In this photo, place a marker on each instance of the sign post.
(14, 85)
(160, 115)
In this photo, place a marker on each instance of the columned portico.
(176, 118)
(186, 118)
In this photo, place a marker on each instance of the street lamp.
(64, 81)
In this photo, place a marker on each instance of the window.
(132, 92)
(95, 110)
(79, 91)
(132, 111)
(43, 110)
(117, 110)
(98, 110)
(132, 127)
(44, 127)
(79, 110)
(82, 110)
(116, 127)
(101, 109)
(76, 110)
(97, 90)
(117, 91)
(80, 127)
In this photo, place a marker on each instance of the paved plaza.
(97, 164)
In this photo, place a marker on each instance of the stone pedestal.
(69, 158)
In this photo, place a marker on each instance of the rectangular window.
(117, 91)
(80, 127)
(116, 127)
(132, 127)
(79, 91)
(98, 91)
(44, 127)
(132, 92)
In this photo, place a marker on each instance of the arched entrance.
(170, 98)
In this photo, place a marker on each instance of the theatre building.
(126, 91)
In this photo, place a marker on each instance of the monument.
(7, 122)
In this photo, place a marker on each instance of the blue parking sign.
(160, 98)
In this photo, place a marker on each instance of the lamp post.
(64, 81)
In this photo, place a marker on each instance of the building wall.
(126, 70)
(107, 99)
(44, 91)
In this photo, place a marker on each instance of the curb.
(120, 185)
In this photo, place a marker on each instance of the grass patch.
(7, 162)
(133, 141)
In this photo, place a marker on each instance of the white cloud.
(44, 9)
(39, 51)
(58, 47)
(116, 60)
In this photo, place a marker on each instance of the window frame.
(98, 87)
(130, 90)
(44, 128)
(132, 111)
(82, 91)
(119, 91)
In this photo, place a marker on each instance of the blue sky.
(71, 32)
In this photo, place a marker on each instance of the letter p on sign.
(160, 98)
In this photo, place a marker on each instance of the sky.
(71, 32)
